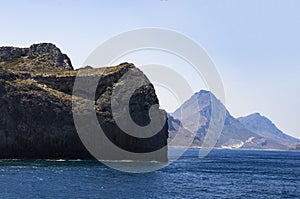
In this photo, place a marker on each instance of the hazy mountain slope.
(265, 128)
(233, 135)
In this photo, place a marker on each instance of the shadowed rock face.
(36, 119)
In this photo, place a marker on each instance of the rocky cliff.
(38, 57)
(36, 107)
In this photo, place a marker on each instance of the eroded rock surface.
(36, 119)
(41, 57)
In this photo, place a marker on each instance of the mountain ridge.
(234, 133)
(38, 57)
(263, 126)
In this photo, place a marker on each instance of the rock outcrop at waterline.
(36, 119)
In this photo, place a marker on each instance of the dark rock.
(38, 57)
(36, 118)
(86, 67)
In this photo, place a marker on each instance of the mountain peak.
(38, 57)
(252, 131)
(203, 96)
(202, 92)
(256, 114)
(264, 127)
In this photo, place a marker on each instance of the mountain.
(264, 127)
(233, 134)
(37, 116)
(41, 57)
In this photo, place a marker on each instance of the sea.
(223, 173)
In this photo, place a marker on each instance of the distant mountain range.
(264, 127)
(252, 132)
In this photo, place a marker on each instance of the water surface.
(222, 174)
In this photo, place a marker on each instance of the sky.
(254, 44)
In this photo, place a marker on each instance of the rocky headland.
(36, 121)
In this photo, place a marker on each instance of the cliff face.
(36, 119)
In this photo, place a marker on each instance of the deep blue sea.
(222, 174)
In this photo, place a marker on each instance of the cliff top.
(45, 59)
(42, 57)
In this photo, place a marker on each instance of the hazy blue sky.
(255, 44)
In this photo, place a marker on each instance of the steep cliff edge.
(36, 119)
